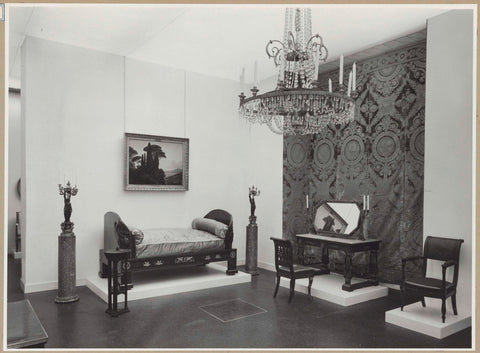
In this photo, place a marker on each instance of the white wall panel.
(448, 139)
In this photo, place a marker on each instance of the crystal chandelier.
(297, 105)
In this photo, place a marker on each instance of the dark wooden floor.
(176, 321)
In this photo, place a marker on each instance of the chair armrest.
(445, 265)
(448, 263)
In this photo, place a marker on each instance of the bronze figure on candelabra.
(67, 192)
(252, 192)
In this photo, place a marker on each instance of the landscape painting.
(156, 162)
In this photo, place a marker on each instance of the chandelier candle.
(354, 77)
(340, 72)
(349, 83)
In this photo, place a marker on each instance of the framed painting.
(156, 163)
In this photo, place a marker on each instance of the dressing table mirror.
(342, 219)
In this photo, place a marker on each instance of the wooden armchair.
(443, 249)
(285, 267)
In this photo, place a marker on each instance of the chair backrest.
(283, 253)
(443, 249)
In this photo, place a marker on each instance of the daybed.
(208, 240)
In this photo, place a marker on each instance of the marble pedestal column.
(67, 285)
(251, 257)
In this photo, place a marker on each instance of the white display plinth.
(158, 283)
(428, 320)
(329, 287)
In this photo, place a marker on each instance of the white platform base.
(158, 283)
(15, 254)
(428, 320)
(329, 287)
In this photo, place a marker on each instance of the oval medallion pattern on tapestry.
(386, 147)
(417, 144)
(352, 150)
(297, 153)
(324, 153)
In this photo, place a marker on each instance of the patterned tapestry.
(380, 153)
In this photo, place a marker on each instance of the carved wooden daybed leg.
(232, 262)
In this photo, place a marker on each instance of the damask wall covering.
(380, 153)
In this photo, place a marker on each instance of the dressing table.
(341, 225)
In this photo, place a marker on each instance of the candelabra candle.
(306, 200)
(330, 85)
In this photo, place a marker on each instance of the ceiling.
(217, 40)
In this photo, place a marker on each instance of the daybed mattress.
(177, 241)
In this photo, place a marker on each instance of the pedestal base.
(251, 265)
(66, 269)
(65, 300)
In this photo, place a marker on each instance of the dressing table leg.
(325, 257)
(374, 266)
(347, 272)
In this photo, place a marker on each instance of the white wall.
(266, 159)
(448, 139)
(75, 117)
(14, 164)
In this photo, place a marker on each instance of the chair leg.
(292, 290)
(402, 297)
(310, 281)
(276, 286)
(444, 310)
(423, 302)
(454, 304)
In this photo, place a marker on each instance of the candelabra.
(251, 265)
(364, 216)
(67, 192)
(66, 251)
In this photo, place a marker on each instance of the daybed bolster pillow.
(210, 225)
(123, 233)
(137, 235)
